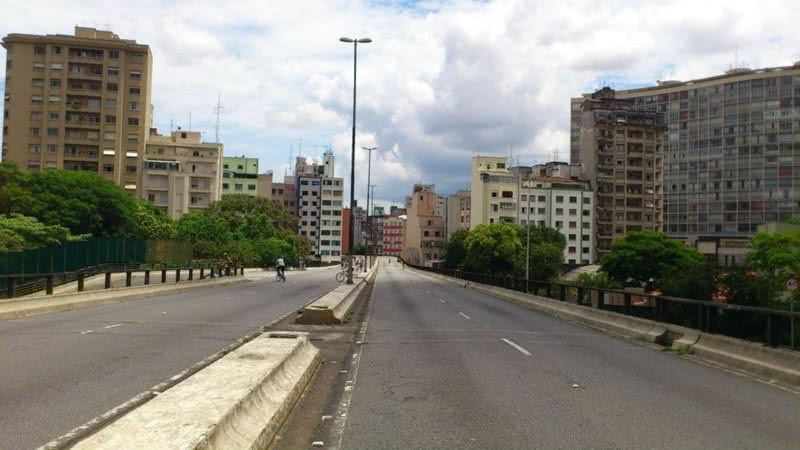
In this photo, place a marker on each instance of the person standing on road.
(280, 267)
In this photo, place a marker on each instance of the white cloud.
(441, 80)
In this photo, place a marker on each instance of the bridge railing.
(770, 326)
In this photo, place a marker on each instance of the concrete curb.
(10, 310)
(334, 307)
(757, 359)
(238, 402)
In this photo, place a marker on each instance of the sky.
(441, 81)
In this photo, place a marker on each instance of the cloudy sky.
(442, 81)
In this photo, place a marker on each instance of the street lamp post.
(371, 189)
(353, 154)
(369, 172)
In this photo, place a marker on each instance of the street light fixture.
(355, 43)
(369, 172)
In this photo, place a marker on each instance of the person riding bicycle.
(280, 267)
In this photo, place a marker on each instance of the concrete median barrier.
(334, 307)
(755, 358)
(238, 402)
(26, 307)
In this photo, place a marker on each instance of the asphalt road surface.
(58, 371)
(447, 367)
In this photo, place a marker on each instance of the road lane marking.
(87, 332)
(112, 326)
(443, 300)
(516, 346)
(464, 315)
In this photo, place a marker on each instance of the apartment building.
(285, 194)
(264, 185)
(360, 227)
(425, 230)
(319, 206)
(240, 175)
(180, 173)
(393, 231)
(458, 212)
(78, 102)
(622, 150)
(731, 152)
(493, 193)
(375, 235)
(566, 204)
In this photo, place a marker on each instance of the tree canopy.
(18, 232)
(642, 255)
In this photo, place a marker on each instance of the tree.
(642, 255)
(456, 250)
(198, 226)
(546, 252)
(359, 249)
(152, 222)
(775, 254)
(494, 248)
(18, 232)
(599, 280)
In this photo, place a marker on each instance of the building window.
(113, 71)
(38, 50)
(34, 132)
(251, 187)
(56, 50)
(111, 103)
(37, 99)
(52, 115)
(133, 106)
(51, 148)
(113, 54)
(573, 199)
(38, 82)
(238, 187)
(55, 83)
(136, 75)
(541, 198)
(573, 212)
(573, 224)
(111, 119)
(572, 249)
(112, 87)
(133, 121)
(36, 115)
(35, 148)
(52, 131)
(560, 211)
(559, 199)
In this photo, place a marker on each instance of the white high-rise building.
(319, 206)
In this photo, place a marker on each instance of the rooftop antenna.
(190, 121)
(218, 110)
(171, 125)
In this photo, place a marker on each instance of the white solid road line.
(516, 346)
(465, 316)
(112, 326)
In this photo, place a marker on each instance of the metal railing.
(770, 326)
(48, 281)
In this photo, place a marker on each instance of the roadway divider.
(237, 402)
(25, 307)
(334, 307)
(758, 359)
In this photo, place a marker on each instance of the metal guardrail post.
(81, 277)
(772, 338)
(163, 275)
(108, 280)
(627, 306)
(580, 296)
(659, 309)
(191, 273)
(601, 299)
(202, 274)
(146, 277)
(12, 287)
(211, 271)
(128, 278)
(49, 285)
(549, 290)
(563, 293)
(177, 275)
(699, 316)
(242, 270)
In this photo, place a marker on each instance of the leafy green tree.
(776, 254)
(642, 255)
(197, 226)
(152, 222)
(494, 248)
(599, 280)
(359, 249)
(546, 252)
(18, 232)
(456, 249)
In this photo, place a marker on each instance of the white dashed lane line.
(443, 300)
(464, 315)
(112, 326)
(516, 346)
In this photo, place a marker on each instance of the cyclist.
(280, 267)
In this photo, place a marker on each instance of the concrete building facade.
(621, 153)
(180, 173)
(458, 212)
(285, 194)
(493, 193)
(319, 206)
(78, 102)
(240, 175)
(731, 151)
(425, 231)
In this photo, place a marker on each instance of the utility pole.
(369, 172)
(370, 228)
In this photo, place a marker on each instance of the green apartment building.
(239, 175)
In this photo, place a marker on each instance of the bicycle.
(280, 275)
(341, 276)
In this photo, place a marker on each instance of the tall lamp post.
(355, 43)
(371, 189)
(369, 172)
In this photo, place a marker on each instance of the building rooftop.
(102, 37)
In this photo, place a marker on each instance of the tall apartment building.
(375, 235)
(240, 175)
(521, 195)
(732, 153)
(264, 185)
(622, 157)
(285, 194)
(78, 102)
(180, 173)
(493, 192)
(319, 206)
(458, 212)
(425, 230)
(393, 231)
(360, 227)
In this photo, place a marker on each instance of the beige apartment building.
(77, 102)
(424, 239)
(621, 151)
(493, 193)
(458, 211)
(180, 173)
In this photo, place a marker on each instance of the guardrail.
(23, 284)
(766, 325)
